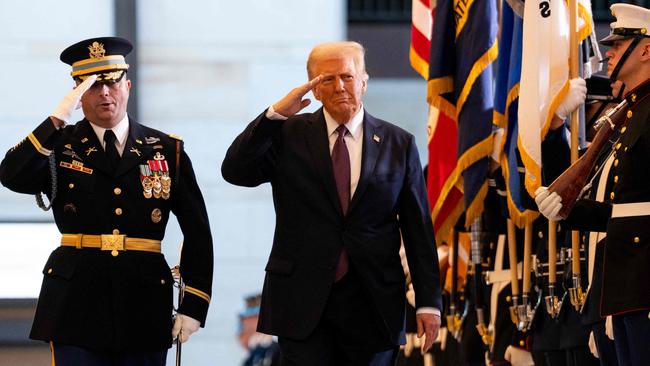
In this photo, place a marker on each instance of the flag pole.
(577, 297)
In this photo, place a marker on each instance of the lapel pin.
(135, 151)
(138, 141)
(90, 151)
(376, 138)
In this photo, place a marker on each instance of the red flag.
(445, 197)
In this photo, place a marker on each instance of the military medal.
(155, 178)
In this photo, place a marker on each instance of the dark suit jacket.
(293, 155)
(90, 298)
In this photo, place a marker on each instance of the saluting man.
(106, 297)
(626, 218)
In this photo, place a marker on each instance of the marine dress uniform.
(626, 220)
(108, 287)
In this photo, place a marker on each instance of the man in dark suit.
(344, 185)
(106, 297)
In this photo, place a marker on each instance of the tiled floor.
(38, 355)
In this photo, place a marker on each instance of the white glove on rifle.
(518, 357)
(71, 101)
(549, 204)
(184, 326)
(574, 98)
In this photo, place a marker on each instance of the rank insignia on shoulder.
(175, 137)
(151, 140)
(76, 165)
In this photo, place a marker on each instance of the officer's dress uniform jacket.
(627, 249)
(101, 299)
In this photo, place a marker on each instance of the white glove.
(72, 101)
(609, 327)
(549, 204)
(184, 326)
(518, 357)
(592, 345)
(574, 98)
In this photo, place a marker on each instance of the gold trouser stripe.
(198, 293)
(95, 241)
(38, 145)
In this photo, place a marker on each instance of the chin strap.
(621, 62)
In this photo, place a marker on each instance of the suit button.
(71, 185)
(612, 195)
(522, 343)
(116, 232)
(118, 211)
(162, 281)
(618, 146)
(49, 271)
(117, 191)
(540, 234)
(629, 114)
(616, 162)
(636, 239)
(616, 179)
(508, 298)
(623, 129)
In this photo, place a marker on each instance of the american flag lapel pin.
(376, 138)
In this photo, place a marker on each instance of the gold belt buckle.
(113, 243)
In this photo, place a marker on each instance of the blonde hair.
(335, 50)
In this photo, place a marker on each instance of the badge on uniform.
(76, 165)
(155, 178)
(156, 215)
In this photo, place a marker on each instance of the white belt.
(631, 209)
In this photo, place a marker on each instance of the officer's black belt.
(113, 242)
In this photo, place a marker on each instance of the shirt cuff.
(425, 310)
(273, 115)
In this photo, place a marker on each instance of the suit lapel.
(134, 150)
(92, 151)
(318, 144)
(373, 138)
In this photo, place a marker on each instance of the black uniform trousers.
(349, 332)
(66, 355)
(631, 335)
